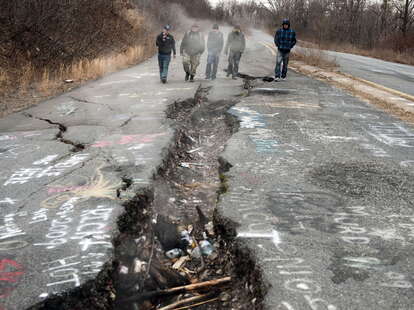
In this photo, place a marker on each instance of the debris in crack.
(180, 246)
(172, 250)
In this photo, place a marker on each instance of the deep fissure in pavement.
(77, 147)
(182, 200)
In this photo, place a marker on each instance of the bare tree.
(405, 13)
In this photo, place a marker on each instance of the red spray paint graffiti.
(10, 274)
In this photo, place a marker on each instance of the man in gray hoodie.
(236, 44)
(215, 44)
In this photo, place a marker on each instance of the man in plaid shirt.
(285, 40)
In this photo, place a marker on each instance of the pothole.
(173, 251)
(366, 179)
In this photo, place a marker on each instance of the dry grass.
(51, 82)
(84, 70)
(316, 58)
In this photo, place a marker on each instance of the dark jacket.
(166, 45)
(192, 44)
(285, 39)
(236, 42)
(215, 42)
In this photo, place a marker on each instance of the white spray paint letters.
(24, 175)
(392, 134)
(297, 277)
(8, 201)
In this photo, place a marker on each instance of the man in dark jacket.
(236, 43)
(192, 47)
(215, 43)
(166, 46)
(285, 40)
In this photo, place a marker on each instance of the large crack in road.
(77, 147)
(170, 235)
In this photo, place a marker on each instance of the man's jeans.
(281, 59)
(212, 65)
(164, 63)
(234, 60)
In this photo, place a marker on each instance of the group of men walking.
(193, 46)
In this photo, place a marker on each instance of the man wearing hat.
(166, 46)
(215, 43)
(192, 47)
(236, 43)
(285, 40)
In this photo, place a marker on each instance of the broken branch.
(176, 290)
(184, 301)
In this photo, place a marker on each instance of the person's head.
(195, 28)
(285, 24)
(237, 28)
(215, 27)
(166, 29)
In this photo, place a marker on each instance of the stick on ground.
(176, 290)
(184, 301)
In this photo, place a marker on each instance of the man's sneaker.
(163, 81)
(283, 78)
(191, 78)
(187, 76)
(277, 79)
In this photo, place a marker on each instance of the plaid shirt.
(285, 39)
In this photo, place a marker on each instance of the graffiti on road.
(96, 187)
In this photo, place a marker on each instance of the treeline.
(366, 24)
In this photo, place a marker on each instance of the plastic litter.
(206, 248)
(139, 266)
(123, 270)
(209, 227)
(174, 253)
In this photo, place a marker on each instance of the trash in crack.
(176, 216)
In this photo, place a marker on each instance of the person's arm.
(209, 41)
(173, 46)
(221, 43)
(293, 39)
(226, 50)
(243, 43)
(277, 38)
(183, 44)
(202, 44)
(157, 41)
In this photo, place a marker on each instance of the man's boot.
(187, 76)
(192, 78)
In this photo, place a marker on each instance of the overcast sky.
(216, 1)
